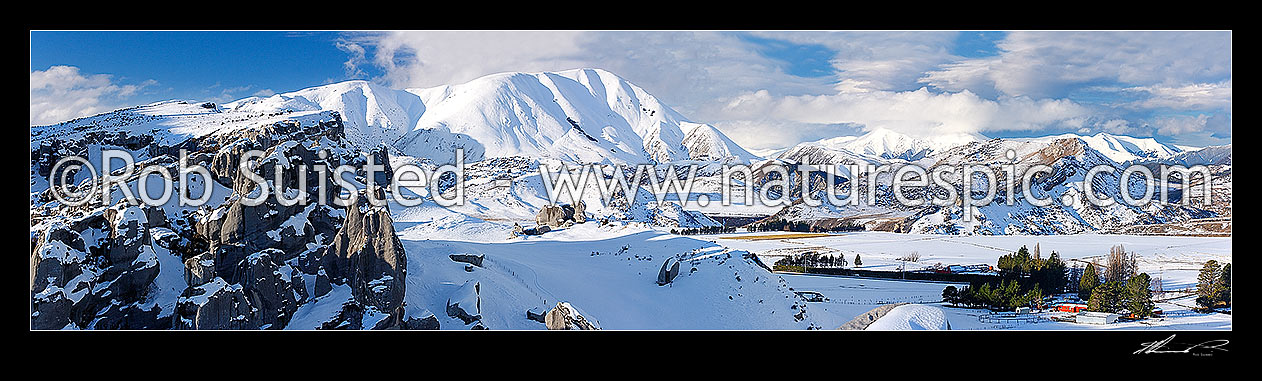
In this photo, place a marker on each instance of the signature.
(1203, 349)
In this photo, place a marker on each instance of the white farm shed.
(1096, 318)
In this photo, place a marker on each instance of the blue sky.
(1175, 86)
(198, 65)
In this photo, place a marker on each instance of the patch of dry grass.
(779, 236)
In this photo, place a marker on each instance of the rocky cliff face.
(226, 264)
(367, 255)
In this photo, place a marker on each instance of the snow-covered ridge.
(888, 144)
(584, 115)
(1212, 155)
(1119, 148)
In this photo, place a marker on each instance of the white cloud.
(1192, 124)
(917, 113)
(62, 93)
(1050, 64)
(870, 60)
(753, 133)
(431, 58)
(1195, 96)
(357, 57)
(1116, 127)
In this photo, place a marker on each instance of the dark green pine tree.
(1106, 297)
(1209, 285)
(1139, 296)
(1090, 280)
(1056, 273)
(857, 260)
(950, 295)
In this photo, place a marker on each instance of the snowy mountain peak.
(889, 144)
(705, 142)
(1120, 148)
(586, 115)
(581, 115)
(372, 113)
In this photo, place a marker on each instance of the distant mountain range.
(594, 116)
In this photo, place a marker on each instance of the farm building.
(1096, 318)
(1070, 307)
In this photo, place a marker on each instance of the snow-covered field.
(588, 266)
(1176, 260)
(852, 296)
(608, 272)
(1178, 316)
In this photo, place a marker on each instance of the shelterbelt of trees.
(1026, 279)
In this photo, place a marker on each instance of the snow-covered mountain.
(1122, 149)
(1212, 155)
(887, 144)
(584, 115)
(1070, 157)
(372, 113)
(705, 142)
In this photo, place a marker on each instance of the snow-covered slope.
(816, 153)
(887, 144)
(911, 317)
(584, 115)
(705, 142)
(1120, 148)
(372, 113)
(1212, 155)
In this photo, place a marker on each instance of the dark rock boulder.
(129, 235)
(554, 216)
(466, 304)
(580, 212)
(215, 305)
(536, 314)
(426, 322)
(350, 317)
(129, 316)
(380, 157)
(50, 310)
(273, 294)
(470, 258)
(670, 270)
(199, 269)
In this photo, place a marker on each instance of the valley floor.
(609, 273)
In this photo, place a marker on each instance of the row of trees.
(800, 262)
(801, 227)
(1002, 295)
(1133, 295)
(1115, 286)
(704, 230)
(1025, 277)
(1049, 275)
(1213, 285)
